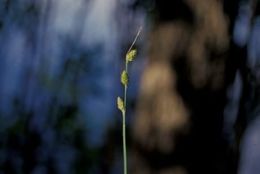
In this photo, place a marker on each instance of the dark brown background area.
(192, 59)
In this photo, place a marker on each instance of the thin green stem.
(124, 144)
(124, 124)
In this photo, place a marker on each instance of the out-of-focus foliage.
(42, 125)
(59, 147)
(58, 66)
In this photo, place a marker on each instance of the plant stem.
(124, 125)
(124, 144)
(124, 110)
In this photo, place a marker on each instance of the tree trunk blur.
(179, 120)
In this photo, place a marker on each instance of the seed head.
(124, 78)
(120, 104)
(131, 55)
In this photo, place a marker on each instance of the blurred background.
(193, 99)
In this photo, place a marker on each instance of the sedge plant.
(121, 103)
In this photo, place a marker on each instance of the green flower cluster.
(130, 56)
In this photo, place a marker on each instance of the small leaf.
(120, 104)
(124, 78)
(131, 55)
